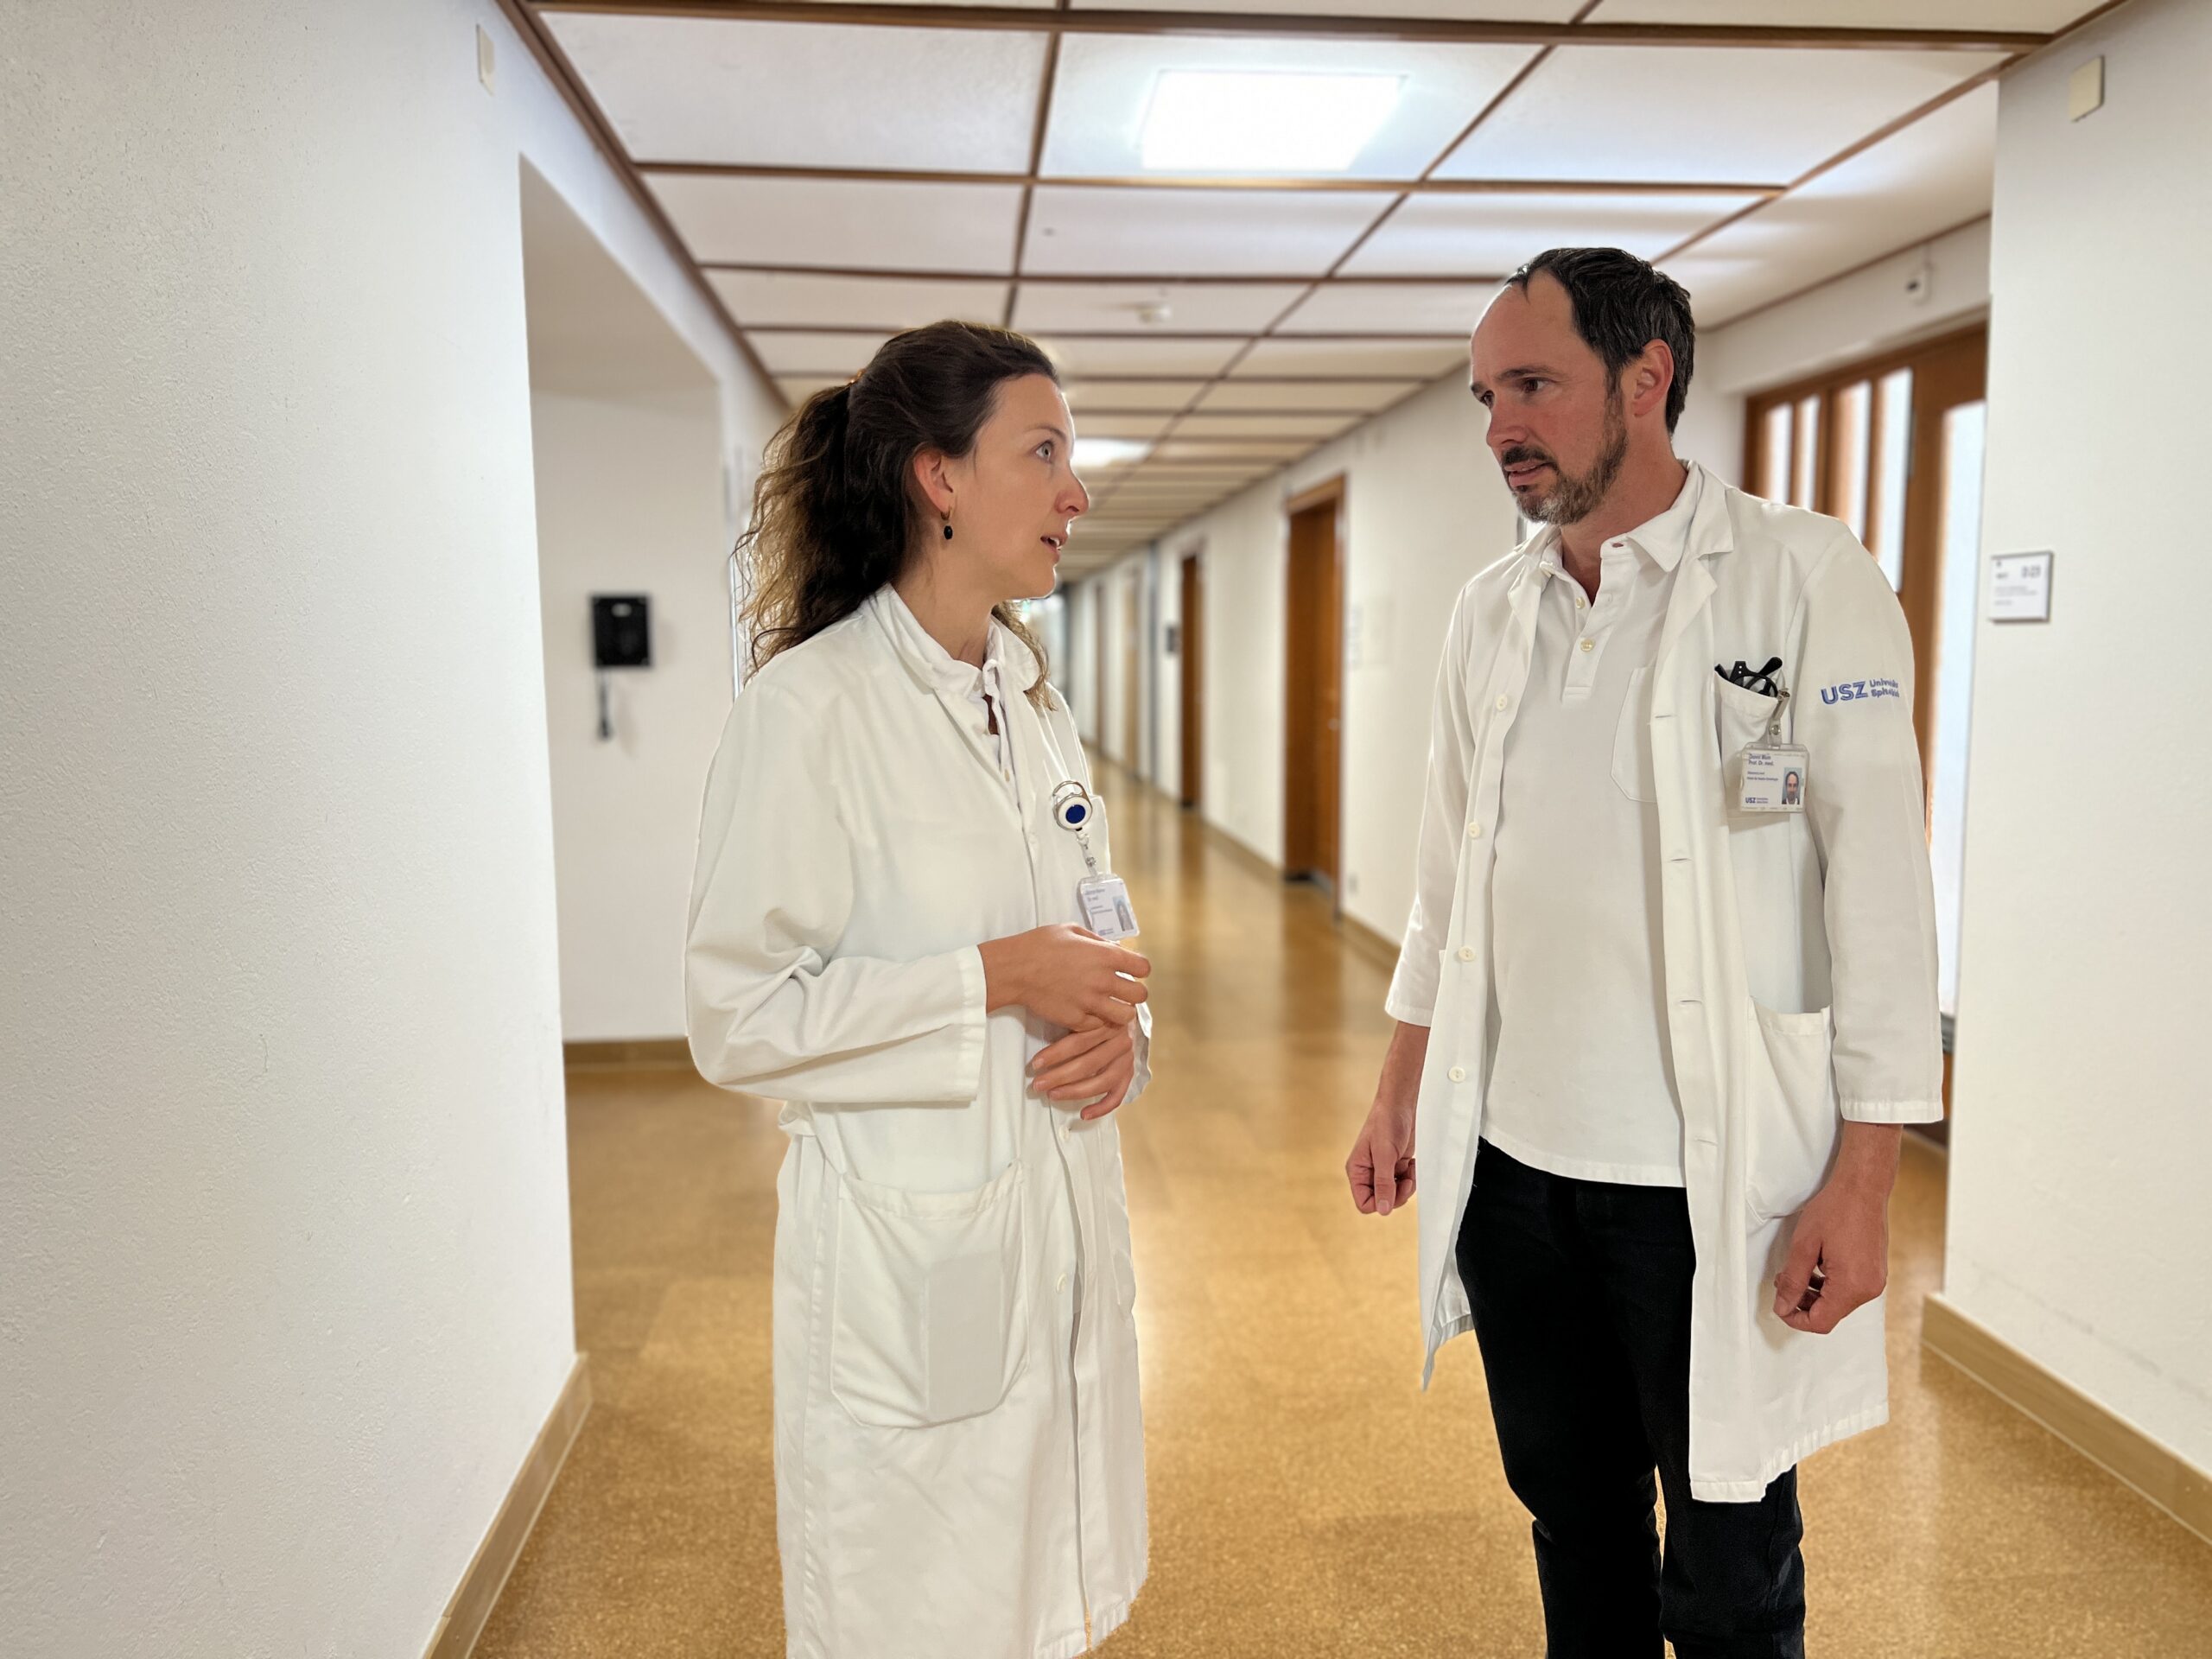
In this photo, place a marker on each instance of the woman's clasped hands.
(1069, 975)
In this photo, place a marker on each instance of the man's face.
(1557, 422)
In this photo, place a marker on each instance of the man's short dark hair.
(1621, 305)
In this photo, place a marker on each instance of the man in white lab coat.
(1668, 986)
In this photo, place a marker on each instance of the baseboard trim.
(646, 1055)
(479, 1591)
(2108, 1439)
(1236, 849)
(1369, 942)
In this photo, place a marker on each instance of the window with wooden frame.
(1865, 443)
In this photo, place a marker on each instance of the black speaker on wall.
(621, 631)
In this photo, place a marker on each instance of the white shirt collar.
(930, 663)
(1662, 539)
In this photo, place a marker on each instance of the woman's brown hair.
(837, 512)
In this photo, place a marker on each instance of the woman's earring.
(948, 529)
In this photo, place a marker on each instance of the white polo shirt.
(1582, 1081)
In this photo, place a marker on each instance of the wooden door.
(1192, 640)
(1131, 628)
(1314, 687)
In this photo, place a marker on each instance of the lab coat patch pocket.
(1740, 718)
(1633, 742)
(930, 1309)
(1792, 1130)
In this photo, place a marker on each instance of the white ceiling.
(1237, 323)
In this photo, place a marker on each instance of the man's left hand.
(1838, 1257)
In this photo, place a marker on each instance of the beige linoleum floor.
(1306, 1498)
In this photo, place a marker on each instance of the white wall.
(282, 1176)
(628, 437)
(629, 499)
(1078, 675)
(2082, 1144)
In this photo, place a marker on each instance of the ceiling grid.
(835, 171)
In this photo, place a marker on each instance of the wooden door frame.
(1330, 493)
(1191, 673)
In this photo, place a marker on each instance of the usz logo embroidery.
(1858, 690)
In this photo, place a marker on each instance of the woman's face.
(1014, 500)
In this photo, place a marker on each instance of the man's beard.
(1570, 498)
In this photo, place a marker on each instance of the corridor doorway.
(1892, 445)
(1313, 690)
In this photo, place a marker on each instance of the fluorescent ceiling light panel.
(1108, 452)
(1264, 121)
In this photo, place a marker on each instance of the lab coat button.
(1458, 1074)
(1474, 832)
(1504, 701)
(1589, 645)
(1466, 953)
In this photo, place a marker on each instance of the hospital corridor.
(1213, 830)
(1306, 1498)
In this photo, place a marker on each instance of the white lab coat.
(959, 1456)
(1799, 950)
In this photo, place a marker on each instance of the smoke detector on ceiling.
(1152, 312)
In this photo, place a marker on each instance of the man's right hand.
(1064, 974)
(1380, 1168)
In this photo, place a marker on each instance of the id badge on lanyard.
(1773, 776)
(1107, 911)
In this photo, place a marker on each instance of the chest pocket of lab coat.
(930, 1302)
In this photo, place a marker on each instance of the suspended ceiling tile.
(1308, 394)
(1226, 233)
(1135, 355)
(1390, 308)
(846, 223)
(1167, 501)
(820, 353)
(1932, 177)
(757, 297)
(1202, 424)
(1120, 426)
(1763, 116)
(2046, 16)
(1531, 11)
(1498, 234)
(695, 89)
(1254, 449)
(1083, 395)
(1280, 356)
(1105, 87)
(1200, 307)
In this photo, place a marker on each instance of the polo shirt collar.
(1691, 521)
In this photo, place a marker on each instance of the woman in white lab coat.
(884, 935)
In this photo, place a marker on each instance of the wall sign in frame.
(2019, 587)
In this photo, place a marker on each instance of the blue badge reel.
(1104, 898)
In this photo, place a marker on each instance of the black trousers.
(1581, 1295)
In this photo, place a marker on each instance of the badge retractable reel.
(1105, 899)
